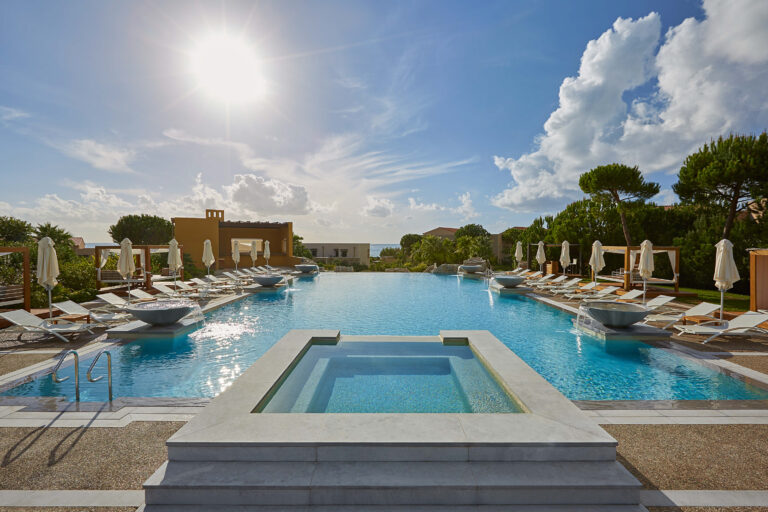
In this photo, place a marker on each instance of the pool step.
(298, 484)
(391, 452)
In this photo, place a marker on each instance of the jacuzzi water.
(376, 377)
(206, 361)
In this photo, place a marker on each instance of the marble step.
(391, 483)
(181, 451)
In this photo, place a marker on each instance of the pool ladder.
(88, 373)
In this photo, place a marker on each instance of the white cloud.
(665, 197)
(707, 77)
(268, 196)
(378, 207)
(465, 209)
(101, 156)
(9, 113)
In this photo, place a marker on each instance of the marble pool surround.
(548, 416)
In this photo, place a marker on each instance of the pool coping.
(549, 416)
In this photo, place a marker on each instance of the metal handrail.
(109, 371)
(77, 371)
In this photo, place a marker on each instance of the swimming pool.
(206, 361)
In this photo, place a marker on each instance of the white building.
(347, 253)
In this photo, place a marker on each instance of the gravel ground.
(716, 457)
(32, 340)
(731, 344)
(78, 458)
(757, 363)
(12, 362)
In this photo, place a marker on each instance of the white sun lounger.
(142, 295)
(70, 307)
(605, 293)
(548, 282)
(631, 295)
(555, 288)
(541, 280)
(585, 287)
(536, 274)
(29, 322)
(742, 325)
(113, 300)
(168, 291)
(700, 309)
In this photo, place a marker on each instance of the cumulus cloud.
(465, 209)
(101, 156)
(706, 78)
(268, 196)
(378, 207)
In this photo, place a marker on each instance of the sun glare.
(227, 69)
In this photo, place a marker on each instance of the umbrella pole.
(644, 283)
(722, 301)
(50, 305)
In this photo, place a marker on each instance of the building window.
(314, 252)
(343, 253)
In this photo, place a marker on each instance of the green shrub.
(78, 274)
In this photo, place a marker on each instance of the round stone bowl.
(616, 314)
(471, 269)
(306, 268)
(509, 281)
(162, 312)
(268, 281)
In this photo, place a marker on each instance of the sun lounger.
(166, 290)
(631, 295)
(29, 322)
(70, 307)
(742, 325)
(606, 293)
(583, 288)
(238, 280)
(142, 295)
(540, 280)
(568, 285)
(113, 300)
(658, 301)
(536, 274)
(547, 282)
(701, 309)
(221, 283)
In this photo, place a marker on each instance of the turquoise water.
(205, 362)
(390, 377)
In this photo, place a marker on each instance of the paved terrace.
(689, 456)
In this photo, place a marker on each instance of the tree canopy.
(407, 241)
(472, 230)
(299, 250)
(726, 174)
(142, 229)
(621, 184)
(15, 230)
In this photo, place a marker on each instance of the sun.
(227, 69)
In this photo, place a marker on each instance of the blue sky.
(377, 118)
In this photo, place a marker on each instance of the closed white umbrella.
(266, 251)
(47, 268)
(596, 260)
(726, 273)
(519, 253)
(254, 252)
(125, 264)
(208, 258)
(236, 253)
(565, 255)
(541, 257)
(174, 258)
(646, 263)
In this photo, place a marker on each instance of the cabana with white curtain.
(629, 274)
(101, 254)
(574, 261)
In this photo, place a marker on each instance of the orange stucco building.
(191, 232)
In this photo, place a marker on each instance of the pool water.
(206, 361)
(402, 377)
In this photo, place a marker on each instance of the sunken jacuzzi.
(363, 422)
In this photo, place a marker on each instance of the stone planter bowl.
(268, 281)
(163, 312)
(306, 268)
(471, 269)
(509, 281)
(616, 314)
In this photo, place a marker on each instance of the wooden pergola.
(10, 294)
(758, 279)
(628, 251)
(528, 253)
(146, 269)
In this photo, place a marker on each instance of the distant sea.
(376, 248)
(91, 245)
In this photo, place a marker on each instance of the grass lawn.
(733, 301)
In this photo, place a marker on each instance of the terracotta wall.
(192, 233)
